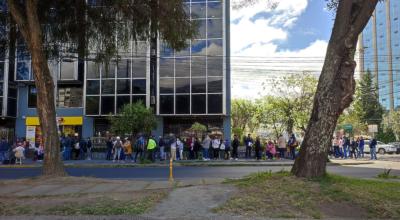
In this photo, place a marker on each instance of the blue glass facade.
(381, 51)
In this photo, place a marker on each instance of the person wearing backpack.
(139, 148)
(117, 147)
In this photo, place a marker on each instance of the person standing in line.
(281, 147)
(173, 148)
(258, 148)
(353, 149)
(4, 147)
(215, 146)
(206, 145)
(117, 147)
(270, 150)
(235, 146)
(151, 147)
(227, 154)
(161, 144)
(361, 147)
(139, 148)
(179, 145)
(249, 144)
(196, 148)
(128, 149)
(346, 147)
(109, 144)
(222, 148)
(292, 145)
(341, 143)
(335, 144)
(372, 147)
(89, 146)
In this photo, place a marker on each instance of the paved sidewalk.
(27, 187)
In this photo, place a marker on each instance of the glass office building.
(183, 87)
(380, 52)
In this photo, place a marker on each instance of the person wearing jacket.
(270, 150)
(258, 148)
(206, 145)
(292, 146)
(151, 147)
(215, 145)
(235, 146)
(281, 147)
(161, 144)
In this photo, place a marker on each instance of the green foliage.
(198, 129)
(103, 30)
(134, 118)
(366, 105)
(386, 175)
(242, 113)
(292, 108)
(392, 120)
(238, 131)
(386, 135)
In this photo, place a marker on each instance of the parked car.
(397, 145)
(381, 148)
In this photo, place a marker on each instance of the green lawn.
(281, 195)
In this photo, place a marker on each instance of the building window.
(167, 104)
(198, 104)
(139, 86)
(69, 69)
(215, 104)
(107, 105)
(69, 97)
(182, 104)
(121, 101)
(182, 85)
(92, 105)
(93, 70)
(32, 97)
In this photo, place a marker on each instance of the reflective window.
(182, 67)
(139, 68)
(123, 69)
(123, 86)
(215, 104)
(214, 28)
(199, 47)
(198, 104)
(32, 96)
(12, 92)
(68, 69)
(139, 98)
(1, 70)
(92, 87)
(199, 10)
(182, 85)
(214, 10)
(167, 85)
(1, 90)
(23, 70)
(166, 104)
(214, 84)
(215, 66)
(185, 51)
(92, 105)
(166, 67)
(121, 101)
(12, 107)
(202, 24)
(108, 70)
(182, 104)
(199, 85)
(93, 70)
(214, 48)
(165, 50)
(107, 105)
(139, 86)
(199, 66)
(108, 87)
(69, 97)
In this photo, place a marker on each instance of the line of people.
(345, 147)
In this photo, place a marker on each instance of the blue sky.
(268, 43)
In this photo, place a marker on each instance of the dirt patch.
(342, 210)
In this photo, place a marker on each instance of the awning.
(60, 121)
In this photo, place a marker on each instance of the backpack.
(117, 145)
(76, 146)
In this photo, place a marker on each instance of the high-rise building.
(183, 87)
(379, 52)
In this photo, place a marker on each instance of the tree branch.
(19, 18)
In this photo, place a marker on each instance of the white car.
(381, 147)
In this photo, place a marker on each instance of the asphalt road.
(161, 173)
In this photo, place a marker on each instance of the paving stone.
(190, 182)
(213, 180)
(38, 190)
(70, 189)
(10, 189)
(134, 186)
(161, 185)
(100, 188)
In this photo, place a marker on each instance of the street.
(182, 172)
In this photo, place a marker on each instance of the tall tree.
(48, 25)
(336, 86)
(242, 113)
(366, 105)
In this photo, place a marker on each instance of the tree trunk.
(335, 88)
(30, 28)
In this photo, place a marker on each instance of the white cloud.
(255, 37)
